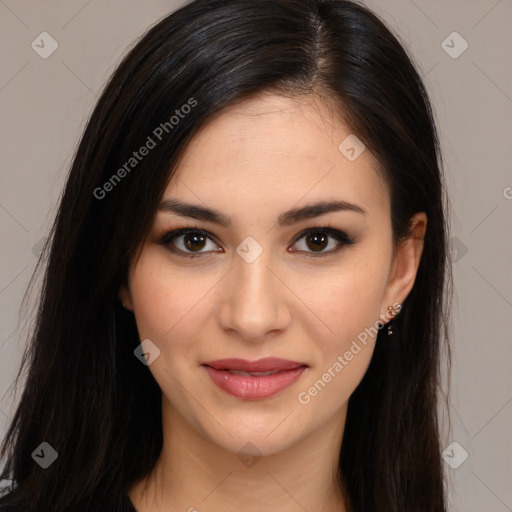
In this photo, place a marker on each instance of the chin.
(250, 434)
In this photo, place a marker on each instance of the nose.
(254, 300)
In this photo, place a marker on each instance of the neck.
(193, 474)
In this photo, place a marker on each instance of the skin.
(266, 155)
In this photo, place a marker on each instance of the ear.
(125, 297)
(405, 263)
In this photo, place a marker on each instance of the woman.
(257, 194)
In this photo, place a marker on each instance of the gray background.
(44, 104)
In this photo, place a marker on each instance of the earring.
(393, 311)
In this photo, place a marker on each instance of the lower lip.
(254, 387)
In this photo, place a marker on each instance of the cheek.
(167, 301)
(350, 309)
(347, 301)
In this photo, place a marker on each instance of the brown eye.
(189, 242)
(317, 241)
(194, 242)
(322, 241)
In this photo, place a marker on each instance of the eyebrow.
(286, 218)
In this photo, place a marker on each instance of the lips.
(261, 365)
(254, 379)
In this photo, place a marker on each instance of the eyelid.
(328, 229)
(169, 236)
(343, 239)
(340, 236)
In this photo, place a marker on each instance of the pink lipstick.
(254, 380)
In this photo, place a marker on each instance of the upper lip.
(260, 365)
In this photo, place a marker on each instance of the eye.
(193, 242)
(188, 242)
(321, 238)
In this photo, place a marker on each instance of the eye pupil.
(320, 241)
(198, 241)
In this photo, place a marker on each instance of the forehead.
(274, 151)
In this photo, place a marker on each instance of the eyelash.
(342, 238)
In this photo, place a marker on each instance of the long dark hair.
(86, 394)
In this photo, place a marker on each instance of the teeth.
(253, 374)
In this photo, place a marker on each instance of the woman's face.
(261, 286)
